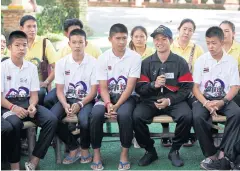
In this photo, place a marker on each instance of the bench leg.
(57, 150)
(31, 135)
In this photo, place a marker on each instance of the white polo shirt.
(77, 78)
(117, 70)
(216, 78)
(18, 82)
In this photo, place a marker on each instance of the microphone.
(162, 72)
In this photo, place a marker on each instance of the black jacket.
(179, 82)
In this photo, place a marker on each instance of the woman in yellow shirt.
(231, 46)
(138, 42)
(183, 46)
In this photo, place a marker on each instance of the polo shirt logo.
(214, 89)
(9, 78)
(67, 72)
(109, 68)
(205, 70)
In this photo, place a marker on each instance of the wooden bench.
(31, 136)
(157, 119)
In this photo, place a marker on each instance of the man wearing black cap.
(164, 86)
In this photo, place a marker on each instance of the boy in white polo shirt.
(117, 72)
(216, 81)
(76, 89)
(19, 98)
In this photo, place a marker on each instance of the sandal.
(86, 159)
(97, 166)
(124, 166)
(71, 160)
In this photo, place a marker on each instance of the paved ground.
(101, 19)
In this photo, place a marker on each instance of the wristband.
(205, 103)
(106, 104)
(11, 107)
(80, 104)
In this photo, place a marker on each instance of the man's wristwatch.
(226, 101)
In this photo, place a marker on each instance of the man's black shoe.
(175, 158)
(148, 158)
(221, 164)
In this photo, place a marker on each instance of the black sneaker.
(221, 164)
(175, 158)
(148, 158)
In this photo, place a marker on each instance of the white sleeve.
(234, 79)
(2, 78)
(35, 80)
(197, 73)
(93, 76)
(59, 73)
(135, 70)
(101, 70)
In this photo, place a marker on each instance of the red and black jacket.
(179, 82)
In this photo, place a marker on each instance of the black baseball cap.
(162, 30)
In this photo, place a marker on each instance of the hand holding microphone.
(161, 79)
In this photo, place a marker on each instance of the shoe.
(221, 164)
(175, 158)
(166, 142)
(29, 166)
(204, 162)
(148, 158)
(190, 142)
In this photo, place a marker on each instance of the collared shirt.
(35, 53)
(235, 52)
(178, 79)
(216, 78)
(117, 70)
(77, 78)
(185, 53)
(18, 82)
(90, 49)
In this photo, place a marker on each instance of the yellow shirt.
(90, 50)
(185, 53)
(235, 52)
(35, 53)
(149, 51)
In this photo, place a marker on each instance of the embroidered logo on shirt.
(154, 72)
(109, 68)
(9, 78)
(205, 70)
(67, 72)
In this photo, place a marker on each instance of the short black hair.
(215, 32)
(187, 20)
(72, 22)
(26, 18)
(230, 24)
(77, 32)
(118, 28)
(16, 35)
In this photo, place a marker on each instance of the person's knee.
(187, 117)
(83, 122)
(124, 115)
(137, 115)
(8, 129)
(97, 113)
(16, 123)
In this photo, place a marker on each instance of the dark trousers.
(202, 122)
(44, 119)
(144, 113)
(41, 95)
(50, 99)
(63, 132)
(236, 99)
(8, 139)
(124, 119)
(190, 101)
